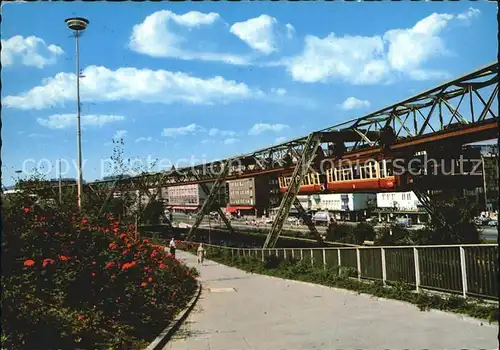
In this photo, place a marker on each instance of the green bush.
(72, 281)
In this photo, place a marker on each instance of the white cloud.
(155, 37)
(278, 91)
(63, 121)
(131, 84)
(290, 30)
(370, 60)
(208, 141)
(258, 33)
(354, 103)
(230, 141)
(183, 130)
(216, 132)
(261, 127)
(280, 139)
(31, 51)
(144, 139)
(472, 12)
(120, 134)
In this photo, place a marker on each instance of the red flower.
(123, 235)
(57, 233)
(80, 317)
(153, 302)
(144, 284)
(113, 277)
(125, 252)
(127, 266)
(42, 218)
(84, 221)
(93, 262)
(63, 258)
(150, 279)
(174, 294)
(29, 262)
(47, 261)
(113, 245)
(109, 265)
(93, 274)
(27, 210)
(146, 241)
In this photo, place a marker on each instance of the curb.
(162, 339)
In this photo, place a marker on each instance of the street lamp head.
(77, 23)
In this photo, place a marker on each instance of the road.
(238, 310)
(487, 233)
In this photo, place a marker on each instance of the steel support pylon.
(219, 211)
(215, 190)
(307, 220)
(301, 169)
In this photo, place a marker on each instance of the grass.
(341, 277)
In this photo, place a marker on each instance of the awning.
(185, 208)
(233, 209)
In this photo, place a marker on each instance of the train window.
(388, 169)
(382, 168)
(305, 180)
(329, 177)
(347, 172)
(315, 179)
(357, 171)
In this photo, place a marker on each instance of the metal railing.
(467, 270)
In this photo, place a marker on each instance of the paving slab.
(238, 310)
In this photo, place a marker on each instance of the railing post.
(262, 254)
(301, 255)
(384, 270)
(417, 268)
(324, 258)
(463, 268)
(232, 254)
(358, 263)
(312, 257)
(338, 257)
(284, 254)
(293, 254)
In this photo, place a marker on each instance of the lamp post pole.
(78, 24)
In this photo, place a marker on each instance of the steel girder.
(301, 169)
(214, 191)
(440, 110)
(219, 211)
(307, 219)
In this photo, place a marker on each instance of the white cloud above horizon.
(63, 121)
(354, 103)
(363, 60)
(155, 37)
(218, 132)
(182, 130)
(120, 134)
(259, 128)
(31, 51)
(231, 141)
(143, 139)
(131, 84)
(257, 33)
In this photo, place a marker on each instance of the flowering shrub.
(79, 282)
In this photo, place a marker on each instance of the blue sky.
(208, 80)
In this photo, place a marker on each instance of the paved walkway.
(268, 313)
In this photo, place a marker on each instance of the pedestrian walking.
(172, 247)
(201, 254)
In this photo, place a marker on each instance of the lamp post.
(77, 25)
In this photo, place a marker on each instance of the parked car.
(493, 223)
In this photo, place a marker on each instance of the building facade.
(402, 201)
(191, 197)
(253, 196)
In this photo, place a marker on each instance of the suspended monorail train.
(367, 176)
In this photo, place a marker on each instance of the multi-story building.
(349, 206)
(403, 201)
(253, 196)
(191, 197)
